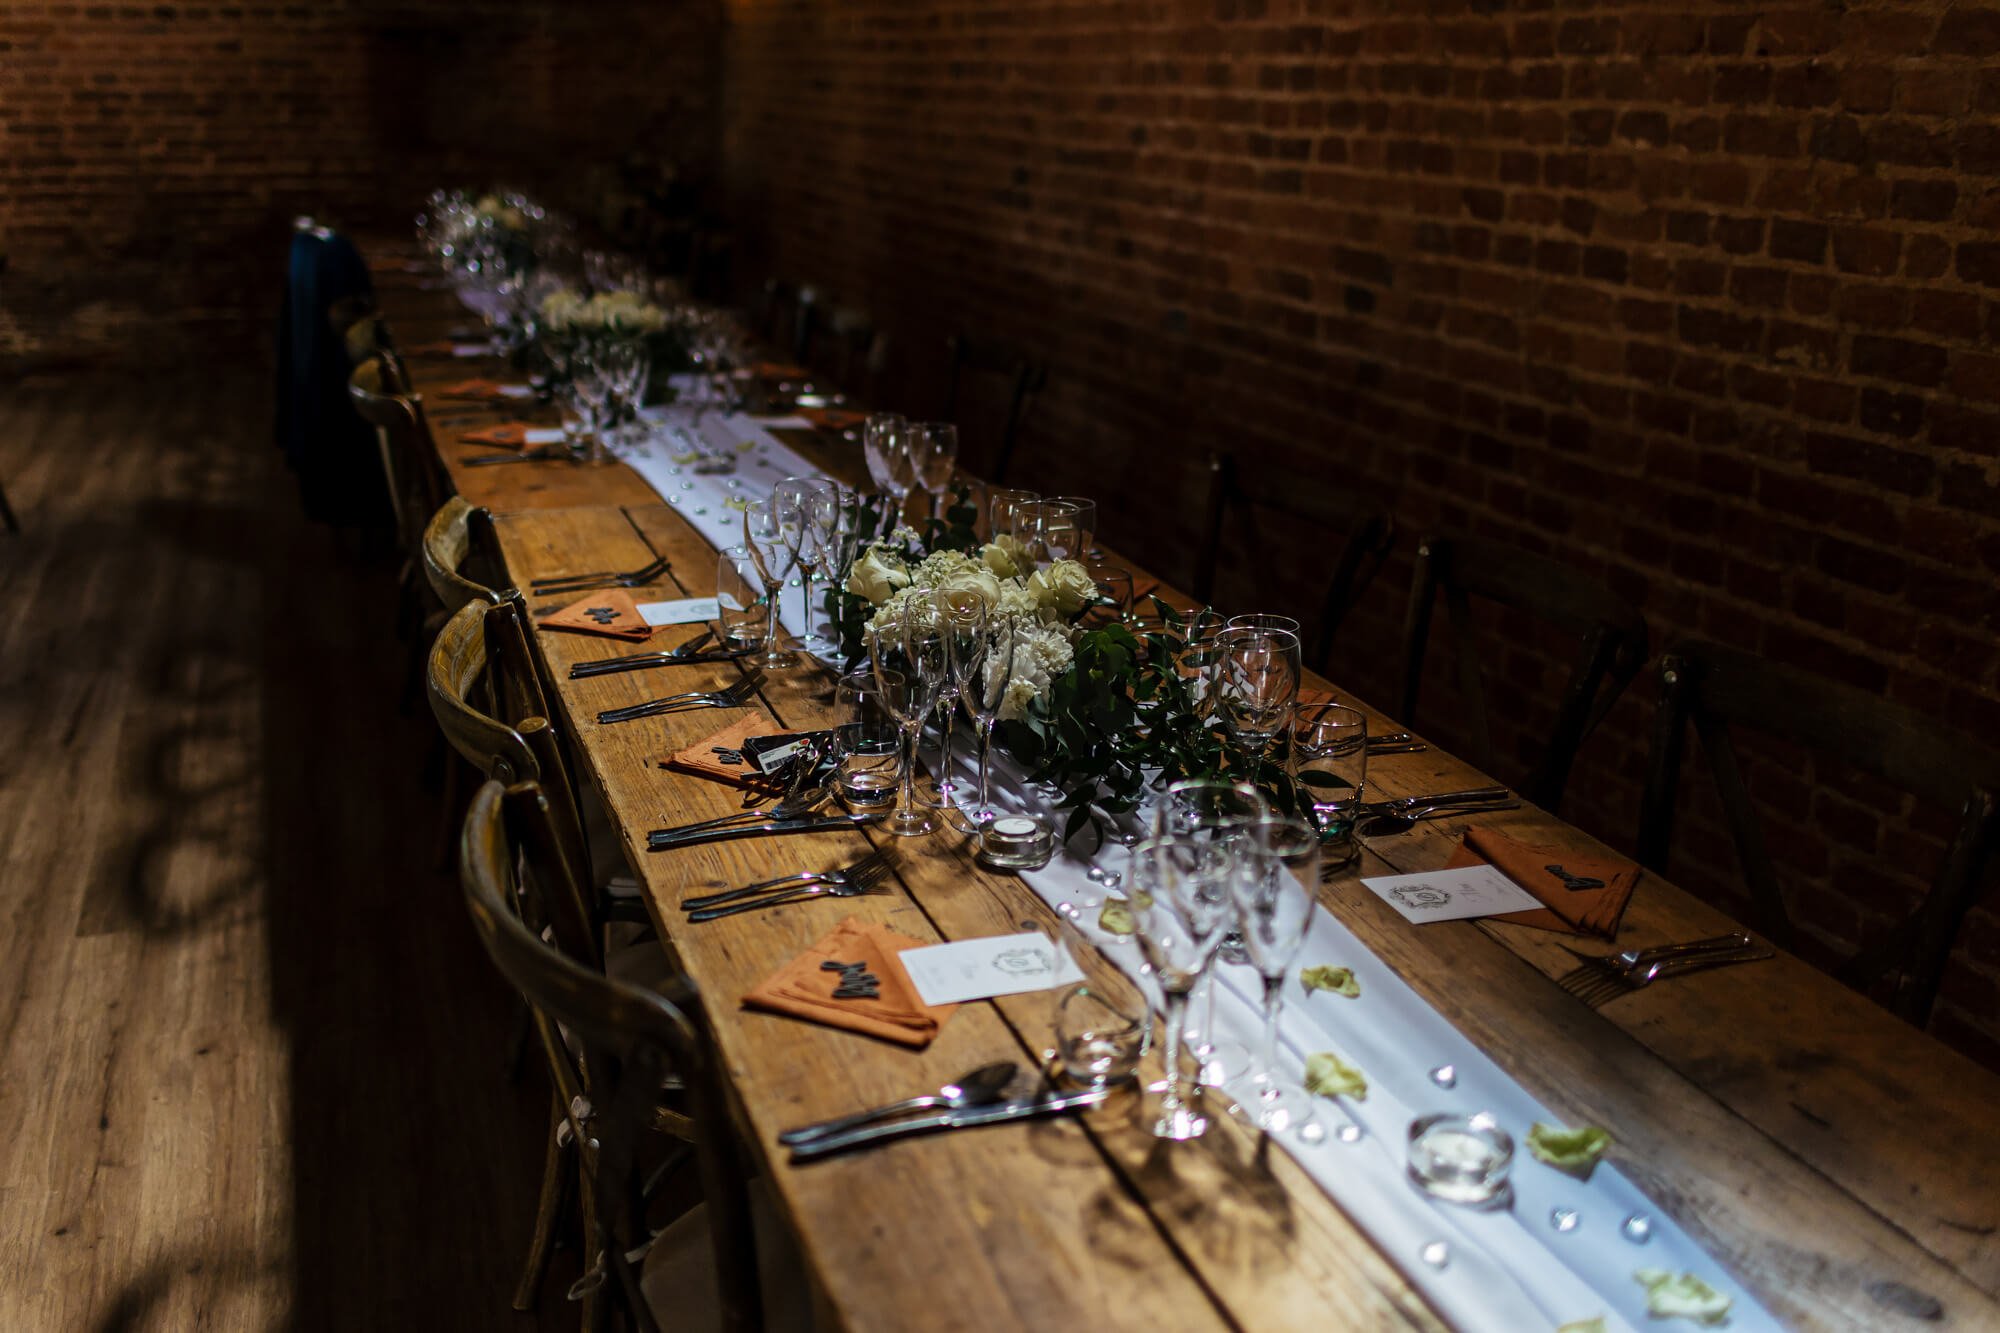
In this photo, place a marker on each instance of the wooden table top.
(1831, 1157)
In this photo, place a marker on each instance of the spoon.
(983, 1086)
(1377, 826)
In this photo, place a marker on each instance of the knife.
(661, 839)
(611, 666)
(968, 1118)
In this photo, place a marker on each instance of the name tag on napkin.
(688, 611)
(1451, 895)
(981, 969)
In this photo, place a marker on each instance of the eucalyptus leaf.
(1327, 977)
(1574, 1152)
(1327, 1075)
(1685, 1296)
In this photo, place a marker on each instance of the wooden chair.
(845, 343)
(13, 525)
(1360, 527)
(1717, 688)
(462, 559)
(418, 485)
(1022, 377)
(1612, 647)
(611, 1048)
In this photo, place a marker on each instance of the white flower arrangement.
(890, 575)
(606, 313)
(500, 212)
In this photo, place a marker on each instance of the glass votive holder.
(1461, 1158)
(1100, 1041)
(1017, 842)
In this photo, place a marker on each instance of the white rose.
(876, 575)
(1007, 556)
(1064, 587)
(977, 581)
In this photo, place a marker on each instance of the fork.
(735, 696)
(1611, 985)
(873, 887)
(631, 578)
(539, 454)
(684, 653)
(868, 870)
(1592, 968)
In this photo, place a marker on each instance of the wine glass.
(1047, 528)
(1330, 764)
(1177, 913)
(983, 689)
(1263, 620)
(1213, 811)
(962, 616)
(1273, 897)
(885, 443)
(933, 449)
(1000, 506)
(918, 643)
(770, 534)
(1086, 527)
(815, 499)
(1256, 682)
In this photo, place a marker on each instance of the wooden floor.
(251, 1060)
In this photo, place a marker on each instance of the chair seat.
(678, 1278)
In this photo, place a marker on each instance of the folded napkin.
(701, 759)
(1570, 911)
(804, 989)
(833, 418)
(611, 612)
(779, 370)
(512, 435)
(485, 391)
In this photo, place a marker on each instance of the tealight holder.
(1017, 842)
(1461, 1159)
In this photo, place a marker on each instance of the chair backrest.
(417, 483)
(488, 699)
(1360, 525)
(624, 1042)
(1022, 377)
(462, 558)
(782, 315)
(845, 343)
(1717, 688)
(1612, 642)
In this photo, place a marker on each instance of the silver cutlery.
(971, 1117)
(661, 839)
(1402, 821)
(868, 870)
(686, 654)
(733, 696)
(1612, 985)
(1475, 796)
(1593, 968)
(977, 1087)
(794, 805)
(652, 569)
(539, 454)
(872, 888)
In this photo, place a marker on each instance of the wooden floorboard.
(251, 1059)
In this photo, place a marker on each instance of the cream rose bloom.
(1065, 587)
(1006, 556)
(876, 576)
(975, 580)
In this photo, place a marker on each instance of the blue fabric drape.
(330, 448)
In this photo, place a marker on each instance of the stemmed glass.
(1000, 506)
(933, 447)
(818, 502)
(1330, 764)
(962, 617)
(1177, 912)
(1213, 811)
(1273, 893)
(1048, 529)
(771, 535)
(921, 642)
(885, 443)
(1086, 527)
(983, 678)
(1256, 682)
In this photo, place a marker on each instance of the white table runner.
(1510, 1270)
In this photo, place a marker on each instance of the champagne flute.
(1177, 914)
(1273, 892)
(885, 443)
(770, 534)
(1213, 811)
(918, 644)
(810, 496)
(933, 454)
(983, 688)
(962, 616)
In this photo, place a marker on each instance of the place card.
(983, 968)
(1451, 895)
(513, 435)
(688, 611)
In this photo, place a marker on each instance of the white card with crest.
(983, 968)
(1451, 895)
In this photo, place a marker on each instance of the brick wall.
(152, 155)
(1698, 297)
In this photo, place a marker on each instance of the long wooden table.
(1837, 1161)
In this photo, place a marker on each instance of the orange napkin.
(477, 390)
(509, 435)
(803, 989)
(1569, 911)
(833, 418)
(779, 370)
(611, 613)
(701, 760)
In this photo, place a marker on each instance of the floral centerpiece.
(1095, 710)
